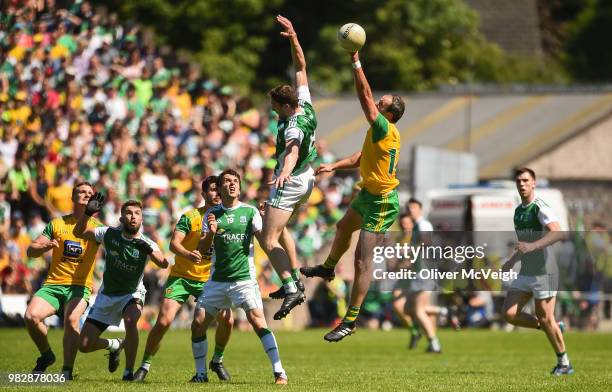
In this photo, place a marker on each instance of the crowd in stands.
(83, 97)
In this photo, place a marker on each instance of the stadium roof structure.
(505, 130)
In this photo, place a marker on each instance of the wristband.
(171, 262)
(356, 64)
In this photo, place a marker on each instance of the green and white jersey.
(530, 225)
(421, 226)
(301, 126)
(233, 257)
(124, 263)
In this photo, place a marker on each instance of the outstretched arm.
(366, 99)
(297, 54)
(350, 162)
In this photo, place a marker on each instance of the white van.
(488, 209)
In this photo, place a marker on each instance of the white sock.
(146, 366)
(563, 360)
(112, 344)
(200, 349)
(269, 343)
(290, 287)
(435, 343)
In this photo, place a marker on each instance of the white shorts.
(109, 309)
(222, 295)
(293, 193)
(540, 286)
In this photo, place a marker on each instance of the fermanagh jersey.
(72, 263)
(233, 242)
(124, 263)
(530, 225)
(300, 126)
(190, 224)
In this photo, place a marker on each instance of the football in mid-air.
(351, 37)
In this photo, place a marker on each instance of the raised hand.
(287, 25)
(94, 205)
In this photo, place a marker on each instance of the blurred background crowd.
(82, 97)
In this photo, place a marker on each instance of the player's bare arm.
(350, 162)
(297, 54)
(207, 239)
(160, 260)
(553, 235)
(366, 99)
(291, 157)
(41, 245)
(177, 248)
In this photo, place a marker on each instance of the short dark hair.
(522, 170)
(130, 203)
(231, 172)
(415, 201)
(207, 182)
(81, 183)
(284, 94)
(396, 108)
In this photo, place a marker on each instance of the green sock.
(147, 358)
(146, 361)
(295, 274)
(414, 330)
(351, 315)
(218, 355)
(288, 280)
(330, 263)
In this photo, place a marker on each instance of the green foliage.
(587, 54)
(411, 45)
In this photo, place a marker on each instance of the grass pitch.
(366, 361)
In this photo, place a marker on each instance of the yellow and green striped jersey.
(190, 224)
(72, 263)
(379, 157)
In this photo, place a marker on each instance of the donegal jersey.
(190, 224)
(233, 242)
(530, 224)
(300, 126)
(125, 264)
(379, 157)
(72, 263)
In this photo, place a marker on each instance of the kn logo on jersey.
(73, 249)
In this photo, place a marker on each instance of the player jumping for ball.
(376, 206)
(293, 175)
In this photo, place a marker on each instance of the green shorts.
(58, 295)
(179, 289)
(377, 212)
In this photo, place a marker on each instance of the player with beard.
(122, 293)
